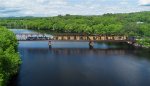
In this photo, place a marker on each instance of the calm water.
(74, 64)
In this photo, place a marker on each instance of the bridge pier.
(91, 44)
(50, 44)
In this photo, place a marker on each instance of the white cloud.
(76, 7)
(33, 7)
(124, 2)
(144, 2)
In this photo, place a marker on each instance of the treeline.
(9, 57)
(130, 24)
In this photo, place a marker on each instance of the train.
(38, 38)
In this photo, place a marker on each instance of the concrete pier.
(91, 44)
(50, 44)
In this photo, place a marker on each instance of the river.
(74, 64)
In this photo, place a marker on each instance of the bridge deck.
(77, 40)
(98, 38)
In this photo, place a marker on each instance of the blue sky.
(74, 7)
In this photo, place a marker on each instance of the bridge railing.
(73, 37)
(94, 38)
(32, 36)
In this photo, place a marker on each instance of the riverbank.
(144, 42)
(9, 56)
(141, 43)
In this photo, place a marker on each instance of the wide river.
(74, 64)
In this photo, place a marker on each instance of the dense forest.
(9, 57)
(129, 24)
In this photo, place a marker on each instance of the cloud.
(144, 2)
(10, 11)
(147, 5)
(32, 7)
(75, 7)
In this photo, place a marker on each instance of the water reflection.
(74, 51)
(78, 51)
(82, 67)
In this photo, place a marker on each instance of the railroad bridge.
(73, 37)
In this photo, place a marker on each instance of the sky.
(9, 8)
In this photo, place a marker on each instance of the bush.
(9, 57)
(144, 42)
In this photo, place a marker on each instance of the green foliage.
(9, 58)
(129, 24)
(144, 42)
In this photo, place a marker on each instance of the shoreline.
(138, 45)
